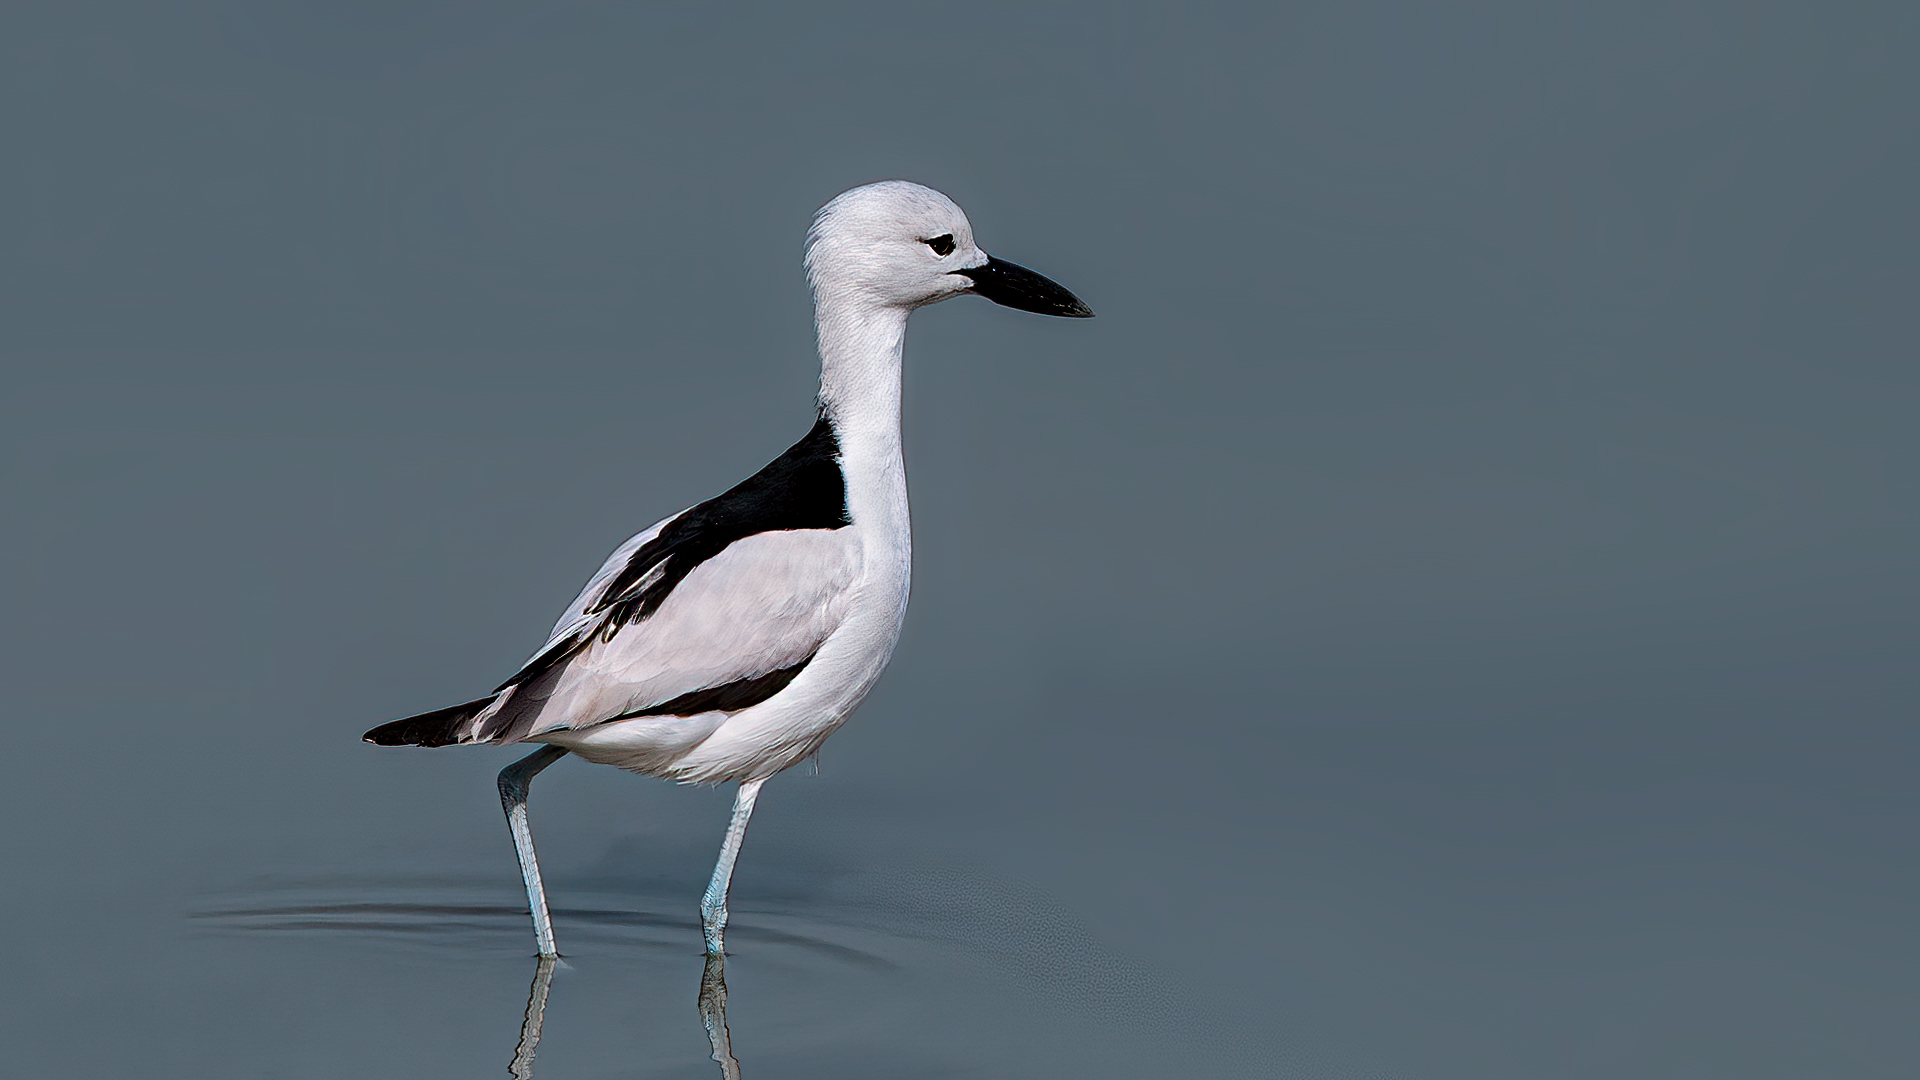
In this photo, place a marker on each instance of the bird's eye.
(942, 245)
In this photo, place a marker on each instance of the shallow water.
(1028, 855)
(883, 972)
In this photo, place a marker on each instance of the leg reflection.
(522, 1067)
(713, 1013)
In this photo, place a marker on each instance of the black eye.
(942, 245)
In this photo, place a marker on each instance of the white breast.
(783, 730)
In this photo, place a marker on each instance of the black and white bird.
(725, 643)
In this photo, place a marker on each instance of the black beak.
(1018, 287)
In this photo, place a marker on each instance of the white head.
(899, 245)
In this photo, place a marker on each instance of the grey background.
(1452, 615)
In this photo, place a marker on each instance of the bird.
(725, 643)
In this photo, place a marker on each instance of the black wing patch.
(801, 489)
(730, 698)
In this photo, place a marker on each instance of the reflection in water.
(713, 1014)
(522, 1067)
(939, 964)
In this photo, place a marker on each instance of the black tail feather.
(441, 727)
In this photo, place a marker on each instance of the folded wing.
(730, 633)
(713, 609)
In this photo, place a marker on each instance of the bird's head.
(898, 244)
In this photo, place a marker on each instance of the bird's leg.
(514, 780)
(713, 906)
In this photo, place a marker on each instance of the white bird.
(725, 643)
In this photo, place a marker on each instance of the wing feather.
(763, 604)
(588, 614)
(714, 608)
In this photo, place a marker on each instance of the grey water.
(1452, 615)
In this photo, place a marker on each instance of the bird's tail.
(441, 727)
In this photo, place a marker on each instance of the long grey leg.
(513, 797)
(713, 906)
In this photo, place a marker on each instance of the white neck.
(860, 354)
(861, 346)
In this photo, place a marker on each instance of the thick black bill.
(1018, 287)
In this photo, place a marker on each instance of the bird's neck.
(860, 354)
